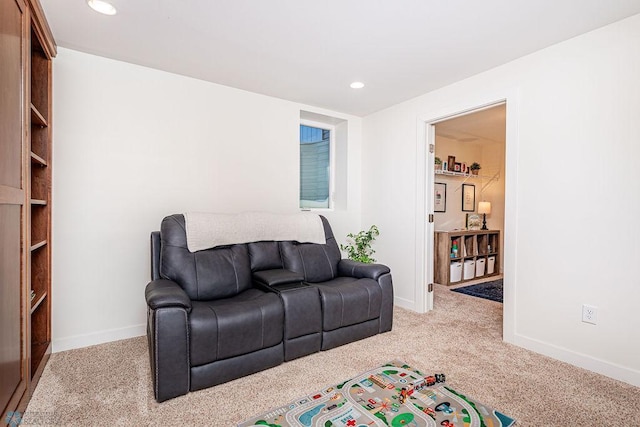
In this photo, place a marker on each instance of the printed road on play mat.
(394, 395)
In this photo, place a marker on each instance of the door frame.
(424, 198)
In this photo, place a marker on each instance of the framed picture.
(468, 197)
(473, 221)
(451, 161)
(440, 197)
(457, 167)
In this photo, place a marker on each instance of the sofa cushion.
(250, 321)
(264, 256)
(209, 274)
(318, 263)
(347, 301)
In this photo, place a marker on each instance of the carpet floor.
(110, 384)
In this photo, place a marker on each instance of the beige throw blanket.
(208, 230)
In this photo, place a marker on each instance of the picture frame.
(468, 197)
(451, 161)
(473, 221)
(440, 197)
(457, 167)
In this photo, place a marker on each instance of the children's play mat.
(394, 395)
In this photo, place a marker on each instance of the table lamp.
(484, 208)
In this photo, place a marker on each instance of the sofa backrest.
(226, 271)
(204, 275)
(265, 256)
(318, 263)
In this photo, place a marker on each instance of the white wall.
(132, 145)
(572, 194)
(453, 218)
(492, 188)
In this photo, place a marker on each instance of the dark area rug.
(487, 290)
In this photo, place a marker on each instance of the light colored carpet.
(110, 384)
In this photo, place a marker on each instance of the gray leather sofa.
(226, 312)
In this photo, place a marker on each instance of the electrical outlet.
(589, 314)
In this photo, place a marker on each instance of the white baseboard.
(404, 303)
(611, 370)
(86, 340)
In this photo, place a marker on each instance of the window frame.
(332, 161)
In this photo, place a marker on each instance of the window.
(316, 145)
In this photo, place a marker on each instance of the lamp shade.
(484, 207)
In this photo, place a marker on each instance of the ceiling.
(310, 51)
(479, 127)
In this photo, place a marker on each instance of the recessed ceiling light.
(101, 6)
(357, 85)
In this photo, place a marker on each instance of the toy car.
(444, 407)
(403, 395)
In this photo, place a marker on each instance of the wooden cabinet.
(26, 51)
(453, 248)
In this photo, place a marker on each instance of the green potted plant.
(475, 167)
(438, 163)
(359, 247)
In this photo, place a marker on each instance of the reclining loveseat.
(218, 314)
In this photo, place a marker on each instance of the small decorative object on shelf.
(473, 221)
(438, 163)
(451, 161)
(475, 167)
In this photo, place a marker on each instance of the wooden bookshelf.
(25, 200)
(465, 245)
(40, 149)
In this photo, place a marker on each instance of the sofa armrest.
(156, 244)
(163, 293)
(168, 338)
(360, 270)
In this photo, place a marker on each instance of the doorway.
(425, 136)
(469, 195)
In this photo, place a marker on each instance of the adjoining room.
(469, 202)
